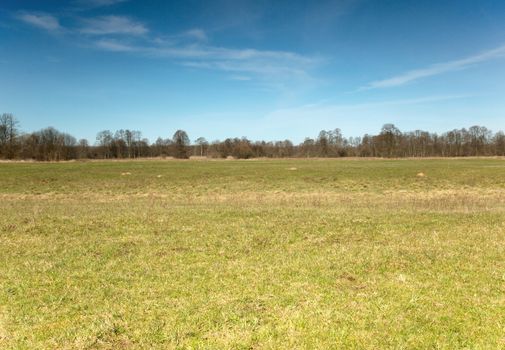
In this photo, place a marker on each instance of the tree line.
(50, 144)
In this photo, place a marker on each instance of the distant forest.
(50, 144)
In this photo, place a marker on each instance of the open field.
(253, 254)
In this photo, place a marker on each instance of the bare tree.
(51, 144)
(499, 144)
(323, 144)
(181, 144)
(242, 148)
(307, 148)
(202, 142)
(8, 135)
(83, 149)
(389, 139)
(104, 140)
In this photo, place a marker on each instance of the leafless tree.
(104, 141)
(181, 144)
(8, 135)
(203, 144)
(51, 144)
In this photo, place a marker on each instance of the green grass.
(253, 254)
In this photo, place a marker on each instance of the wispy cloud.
(114, 46)
(325, 107)
(98, 3)
(272, 68)
(106, 25)
(264, 64)
(190, 48)
(222, 53)
(40, 20)
(436, 69)
(196, 34)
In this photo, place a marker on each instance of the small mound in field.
(292, 168)
(159, 176)
(125, 174)
(421, 175)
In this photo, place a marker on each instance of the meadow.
(256, 254)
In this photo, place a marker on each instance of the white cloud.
(98, 3)
(114, 45)
(40, 20)
(264, 64)
(436, 69)
(189, 48)
(215, 53)
(325, 109)
(272, 68)
(107, 25)
(196, 34)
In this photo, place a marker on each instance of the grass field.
(274, 254)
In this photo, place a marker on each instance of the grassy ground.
(253, 254)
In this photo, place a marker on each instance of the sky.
(262, 69)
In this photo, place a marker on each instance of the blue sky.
(261, 69)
